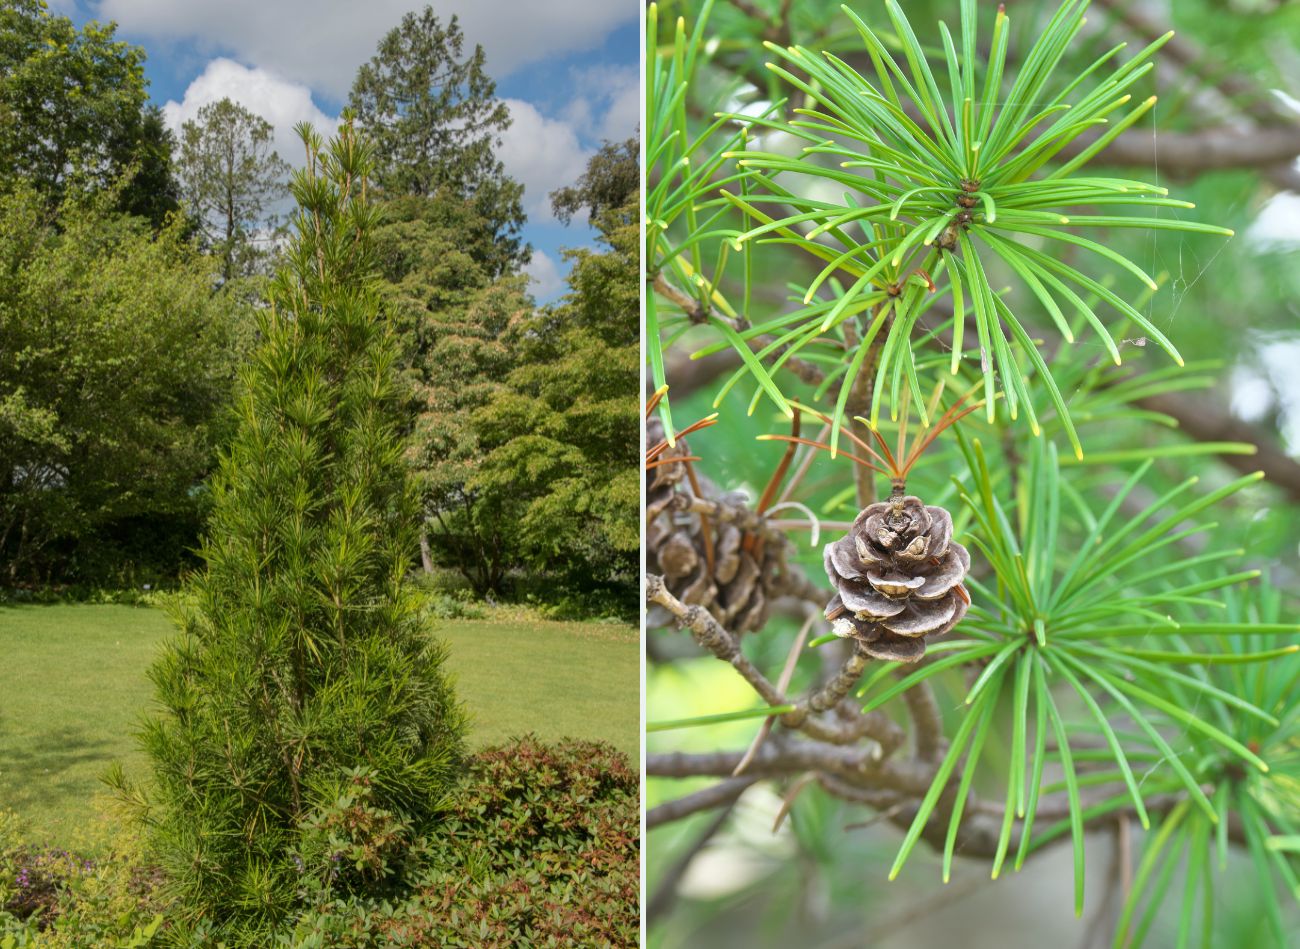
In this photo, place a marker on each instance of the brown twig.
(716, 795)
(781, 754)
(926, 720)
(666, 892)
(1198, 63)
(782, 683)
(1207, 423)
(711, 635)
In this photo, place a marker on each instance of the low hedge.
(539, 847)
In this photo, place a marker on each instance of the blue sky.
(567, 69)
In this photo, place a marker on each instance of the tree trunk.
(426, 559)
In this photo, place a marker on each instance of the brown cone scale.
(897, 576)
(739, 590)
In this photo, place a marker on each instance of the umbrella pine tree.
(303, 681)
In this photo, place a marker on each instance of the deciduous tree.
(452, 319)
(559, 470)
(73, 105)
(115, 366)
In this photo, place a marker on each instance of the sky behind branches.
(567, 69)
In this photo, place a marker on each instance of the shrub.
(60, 900)
(539, 847)
(444, 602)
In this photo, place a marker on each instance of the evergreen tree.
(231, 176)
(152, 191)
(609, 184)
(433, 115)
(303, 671)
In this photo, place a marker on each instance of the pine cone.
(661, 481)
(739, 589)
(898, 574)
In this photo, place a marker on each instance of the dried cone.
(898, 574)
(661, 481)
(739, 589)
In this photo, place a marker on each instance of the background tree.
(611, 180)
(307, 733)
(433, 114)
(151, 191)
(559, 469)
(890, 214)
(115, 366)
(73, 106)
(231, 179)
(451, 318)
(517, 475)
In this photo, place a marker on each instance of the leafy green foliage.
(151, 190)
(453, 322)
(432, 112)
(116, 364)
(561, 471)
(612, 176)
(303, 655)
(62, 900)
(73, 112)
(513, 470)
(539, 847)
(230, 178)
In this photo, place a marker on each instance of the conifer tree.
(431, 109)
(232, 177)
(303, 682)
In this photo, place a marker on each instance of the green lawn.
(73, 684)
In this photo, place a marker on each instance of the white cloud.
(544, 277)
(624, 113)
(542, 153)
(610, 108)
(279, 101)
(323, 42)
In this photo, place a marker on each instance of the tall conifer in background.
(303, 678)
(432, 111)
(232, 177)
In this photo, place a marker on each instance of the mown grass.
(73, 686)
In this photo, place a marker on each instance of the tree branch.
(1207, 423)
(806, 371)
(717, 795)
(779, 755)
(711, 635)
(1197, 63)
(665, 894)
(924, 709)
